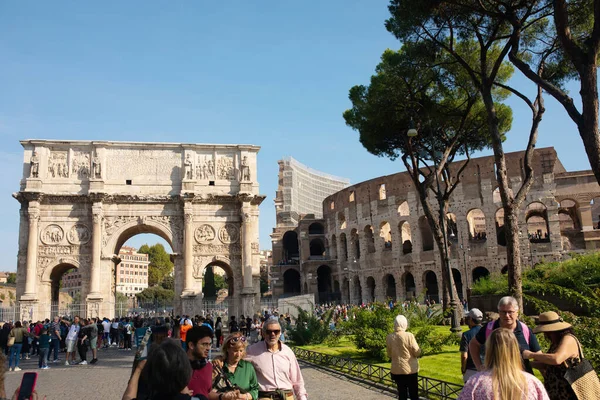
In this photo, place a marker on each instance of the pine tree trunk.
(588, 128)
(513, 250)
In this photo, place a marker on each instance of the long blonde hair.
(503, 359)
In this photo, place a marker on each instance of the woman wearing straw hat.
(563, 346)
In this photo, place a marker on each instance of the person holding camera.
(236, 380)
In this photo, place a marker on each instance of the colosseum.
(373, 242)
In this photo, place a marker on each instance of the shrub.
(310, 329)
(489, 285)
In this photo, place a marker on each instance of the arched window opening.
(357, 290)
(351, 197)
(570, 226)
(344, 249)
(537, 223)
(431, 285)
(403, 209)
(382, 192)
(324, 283)
(451, 227)
(316, 229)
(479, 273)
(458, 284)
(317, 248)
(333, 247)
(291, 281)
(500, 230)
(342, 220)
(410, 288)
(595, 206)
(370, 289)
(355, 242)
(405, 237)
(504, 270)
(390, 287)
(385, 232)
(290, 248)
(477, 228)
(496, 196)
(426, 235)
(370, 239)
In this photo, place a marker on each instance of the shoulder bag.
(581, 376)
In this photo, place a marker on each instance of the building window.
(382, 193)
(351, 197)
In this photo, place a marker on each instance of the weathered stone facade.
(82, 200)
(379, 246)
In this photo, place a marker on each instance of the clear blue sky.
(270, 73)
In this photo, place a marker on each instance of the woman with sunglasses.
(237, 379)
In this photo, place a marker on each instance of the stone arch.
(405, 237)
(403, 209)
(410, 288)
(324, 283)
(316, 228)
(500, 229)
(290, 246)
(504, 270)
(291, 281)
(355, 242)
(477, 225)
(344, 247)
(342, 220)
(385, 233)
(536, 217)
(426, 235)
(117, 239)
(480, 272)
(458, 283)
(317, 248)
(451, 226)
(570, 225)
(333, 247)
(371, 286)
(430, 282)
(225, 264)
(54, 273)
(389, 283)
(369, 238)
(357, 290)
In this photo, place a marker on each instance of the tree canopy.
(160, 263)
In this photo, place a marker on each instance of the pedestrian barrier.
(429, 388)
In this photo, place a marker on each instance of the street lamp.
(455, 320)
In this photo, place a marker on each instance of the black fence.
(380, 377)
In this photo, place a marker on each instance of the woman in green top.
(237, 380)
(19, 333)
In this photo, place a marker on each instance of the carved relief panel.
(229, 233)
(57, 165)
(148, 164)
(79, 234)
(205, 167)
(204, 234)
(80, 165)
(225, 168)
(52, 235)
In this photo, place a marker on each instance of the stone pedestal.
(28, 310)
(96, 185)
(188, 304)
(33, 185)
(248, 306)
(92, 308)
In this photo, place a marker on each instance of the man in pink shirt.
(277, 369)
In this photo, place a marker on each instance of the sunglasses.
(275, 332)
(237, 339)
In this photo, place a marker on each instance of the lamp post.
(465, 250)
(455, 320)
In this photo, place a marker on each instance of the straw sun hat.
(550, 322)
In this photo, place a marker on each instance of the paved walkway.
(108, 378)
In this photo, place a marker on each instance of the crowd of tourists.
(498, 357)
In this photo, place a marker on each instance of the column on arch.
(97, 218)
(188, 252)
(32, 248)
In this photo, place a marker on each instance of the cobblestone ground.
(107, 380)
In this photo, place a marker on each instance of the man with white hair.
(508, 308)
(277, 369)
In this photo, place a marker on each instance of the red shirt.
(201, 381)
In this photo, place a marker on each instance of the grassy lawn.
(443, 366)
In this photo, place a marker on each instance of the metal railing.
(429, 388)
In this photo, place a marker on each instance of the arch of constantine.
(82, 200)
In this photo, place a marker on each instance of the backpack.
(526, 332)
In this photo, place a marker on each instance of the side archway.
(291, 282)
(479, 273)
(431, 284)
